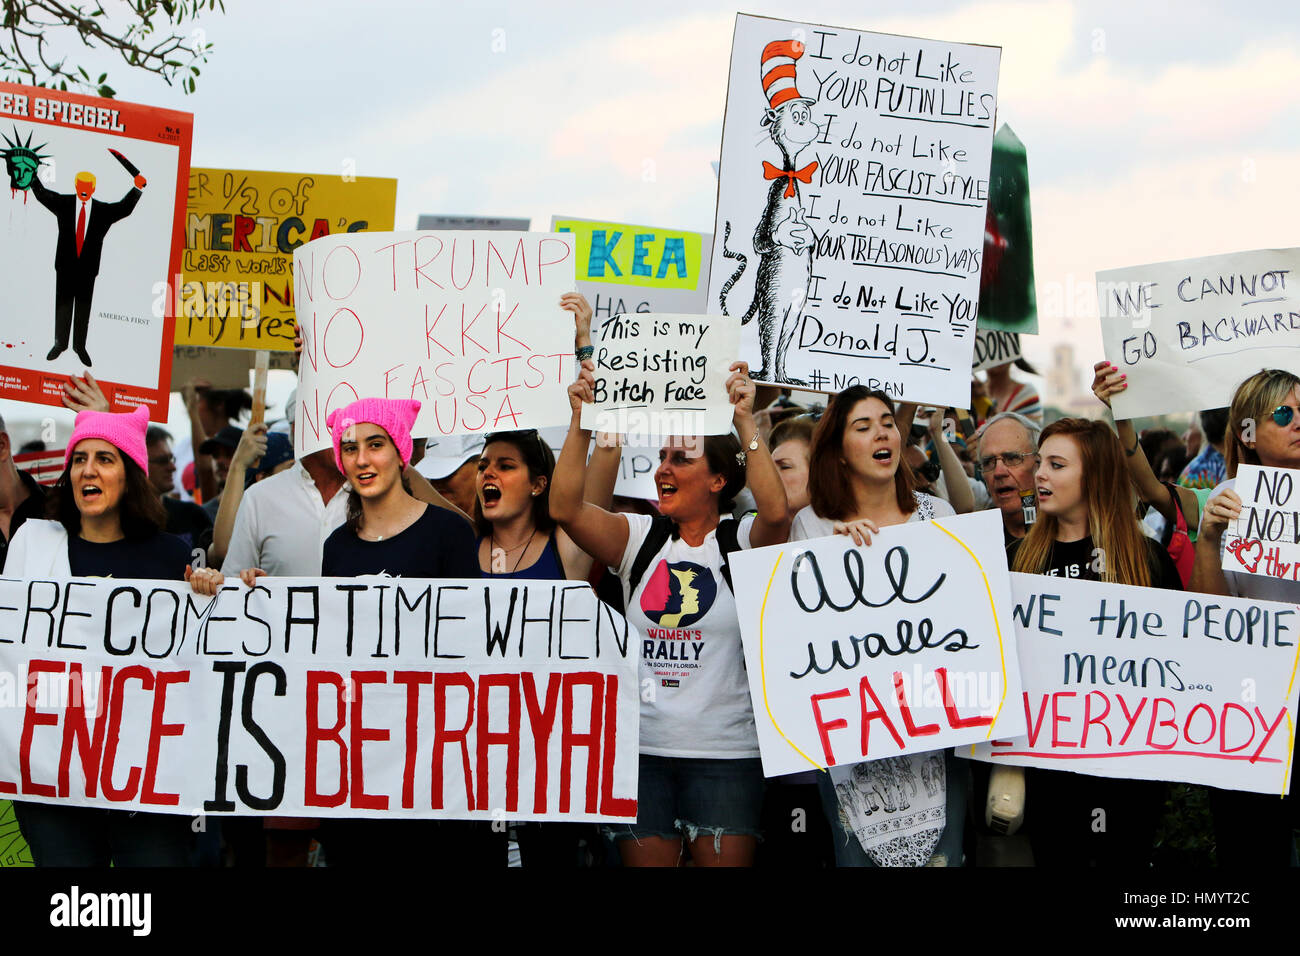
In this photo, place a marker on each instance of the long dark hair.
(140, 510)
(829, 487)
(540, 462)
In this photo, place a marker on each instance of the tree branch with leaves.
(147, 34)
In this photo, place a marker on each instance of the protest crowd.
(362, 495)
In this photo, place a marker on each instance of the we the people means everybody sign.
(903, 646)
(851, 206)
(1156, 685)
(1265, 538)
(320, 697)
(1188, 332)
(467, 323)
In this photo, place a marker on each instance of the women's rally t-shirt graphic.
(694, 692)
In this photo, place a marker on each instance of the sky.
(1154, 130)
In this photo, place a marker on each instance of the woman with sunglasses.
(106, 521)
(1252, 829)
(858, 483)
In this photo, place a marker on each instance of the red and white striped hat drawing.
(778, 72)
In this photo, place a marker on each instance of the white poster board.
(1188, 332)
(467, 323)
(636, 466)
(320, 697)
(1265, 538)
(1154, 685)
(662, 374)
(851, 206)
(905, 646)
(993, 348)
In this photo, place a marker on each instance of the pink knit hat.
(126, 431)
(394, 415)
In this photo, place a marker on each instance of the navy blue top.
(161, 557)
(436, 545)
(547, 567)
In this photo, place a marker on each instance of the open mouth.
(366, 477)
(491, 494)
(1005, 489)
(884, 456)
(91, 492)
(666, 490)
(1044, 494)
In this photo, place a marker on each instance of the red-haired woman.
(1087, 528)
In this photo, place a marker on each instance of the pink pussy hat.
(125, 430)
(394, 415)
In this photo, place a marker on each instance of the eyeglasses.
(1283, 414)
(163, 461)
(1012, 459)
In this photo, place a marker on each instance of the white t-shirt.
(690, 649)
(282, 524)
(1261, 587)
(807, 525)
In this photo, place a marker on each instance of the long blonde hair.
(1112, 521)
(1253, 402)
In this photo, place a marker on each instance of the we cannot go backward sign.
(467, 323)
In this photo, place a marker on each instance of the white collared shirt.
(282, 525)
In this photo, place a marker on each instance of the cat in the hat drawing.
(783, 240)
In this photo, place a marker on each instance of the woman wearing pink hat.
(107, 521)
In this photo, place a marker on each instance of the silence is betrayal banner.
(90, 241)
(320, 697)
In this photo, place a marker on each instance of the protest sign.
(994, 348)
(1188, 332)
(90, 239)
(661, 374)
(1265, 538)
(849, 239)
(905, 646)
(495, 223)
(362, 697)
(467, 323)
(1155, 685)
(220, 368)
(636, 466)
(44, 466)
(241, 229)
(626, 268)
(1007, 298)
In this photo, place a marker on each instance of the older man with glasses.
(185, 519)
(1007, 457)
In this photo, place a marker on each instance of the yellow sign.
(241, 227)
(634, 255)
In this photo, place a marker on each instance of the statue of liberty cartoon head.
(22, 159)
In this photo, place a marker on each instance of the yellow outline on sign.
(1002, 655)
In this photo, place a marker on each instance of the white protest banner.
(330, 697)
(849, 239)
(1188, 332)
(993, 347)
(905, 646)
(1265, 538)
(662, 374)
(1154, 685)
(468, 323)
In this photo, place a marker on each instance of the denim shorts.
(684, 796)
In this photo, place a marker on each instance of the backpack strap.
(661, 530)
(728, 537)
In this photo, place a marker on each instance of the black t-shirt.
(33, 506)
(437, 545)
(1078, 559)
(162, 557)
(188, 522)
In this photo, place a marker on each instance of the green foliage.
(147, 34)
(1185, 836)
